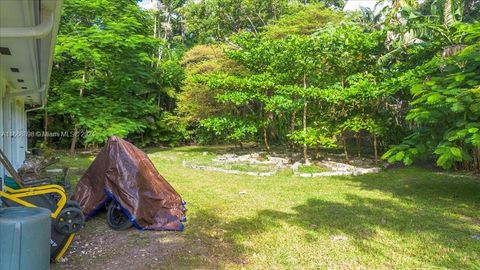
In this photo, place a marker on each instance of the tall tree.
(102, 67)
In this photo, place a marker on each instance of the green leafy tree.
(305, 21)
(214, 20)
(197, 101)
(103, 65)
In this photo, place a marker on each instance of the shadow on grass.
(420, 218)
(423, 187)
(209, 244)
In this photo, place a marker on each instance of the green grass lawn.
(399, 219)
(311, 169)
(247, 167)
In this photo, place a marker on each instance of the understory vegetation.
(400, 83)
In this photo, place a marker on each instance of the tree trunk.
(305, 147)
(167, 15)
(357, 142)
(375, 148)
(182, 29)
(292, 121)
(268, 119)
(80, 94)
(292, 127)
(265, 139)
(476, 159)
(253, 26)
(74, 140)
(154, 34)
(305, 107)
(345, 150)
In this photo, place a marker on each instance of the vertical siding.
(13, 123)
(21, 132)
(16, 129)
(7, 126)
(13, 129)
(2, 92)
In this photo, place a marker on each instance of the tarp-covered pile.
(124, 173)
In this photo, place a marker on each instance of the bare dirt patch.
(99, 247)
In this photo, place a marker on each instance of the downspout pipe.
(36, 108)
(38, 31)
(43, 99)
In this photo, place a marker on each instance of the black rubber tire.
(70, 220)
(116, 219)
(72, 203)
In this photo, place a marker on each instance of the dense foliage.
(402, 81)
(446, 107)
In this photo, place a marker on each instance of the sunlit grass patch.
(311, 169)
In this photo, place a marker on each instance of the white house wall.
(18, 133)
(7, 123)
(13, 128)
(2, 93)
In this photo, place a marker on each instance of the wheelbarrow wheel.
(70, 220)
(116, 219)
(72, 203)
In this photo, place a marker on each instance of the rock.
(254, 158)
(54, 170)
(339, 238)
(278, 160)
(336, 168)
(295, 166)
(242, 192)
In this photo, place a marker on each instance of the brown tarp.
(124, 173)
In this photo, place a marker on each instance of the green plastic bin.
(25, 238)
